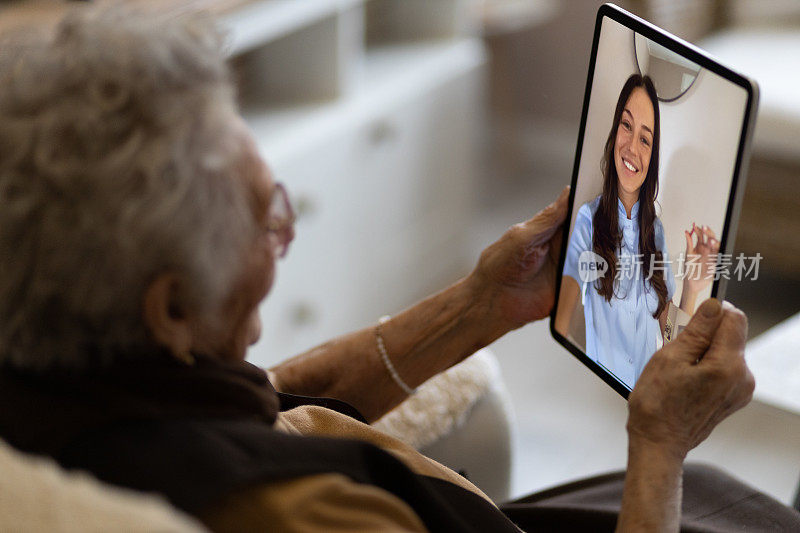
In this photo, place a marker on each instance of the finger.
(553, 214)
(695, 234)
(738, 377)
(544, 224)
(714, 245)
(701, 236)
(689, 243)
(747, 387)
(709, 232)
(693, 342)
(730, 338)
(742, 392)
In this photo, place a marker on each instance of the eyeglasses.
(280, 220)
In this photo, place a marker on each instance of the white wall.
(699, 137)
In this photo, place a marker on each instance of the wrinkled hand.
(516, 275)
(693, 383)
(703, 255)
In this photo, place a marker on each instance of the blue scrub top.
(622, 334)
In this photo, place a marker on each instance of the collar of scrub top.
(623, 215)
(629, 227)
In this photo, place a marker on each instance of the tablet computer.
(657, 186)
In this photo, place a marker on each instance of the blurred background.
(412, 133)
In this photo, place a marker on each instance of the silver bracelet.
(385, 356)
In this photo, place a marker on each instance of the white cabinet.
(381, 174)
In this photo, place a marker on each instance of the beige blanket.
(37, 495)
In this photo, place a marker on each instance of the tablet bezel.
(738, 181)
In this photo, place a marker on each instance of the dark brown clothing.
(209, 438)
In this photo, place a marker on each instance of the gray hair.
(116, 152)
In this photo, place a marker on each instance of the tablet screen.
(652, 198)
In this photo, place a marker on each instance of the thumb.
(544, 224)
(694, 340)
(731, 335)
(689, 244)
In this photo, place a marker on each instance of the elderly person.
(139, 231)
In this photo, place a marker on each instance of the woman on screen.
(625, 308)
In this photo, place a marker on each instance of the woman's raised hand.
(701, 258)
(515, 276)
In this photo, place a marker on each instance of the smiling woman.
(625, 308)
(633, 146)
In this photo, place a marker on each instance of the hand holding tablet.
(695, 382)
(658, 176)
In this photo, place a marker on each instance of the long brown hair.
(606, 235)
